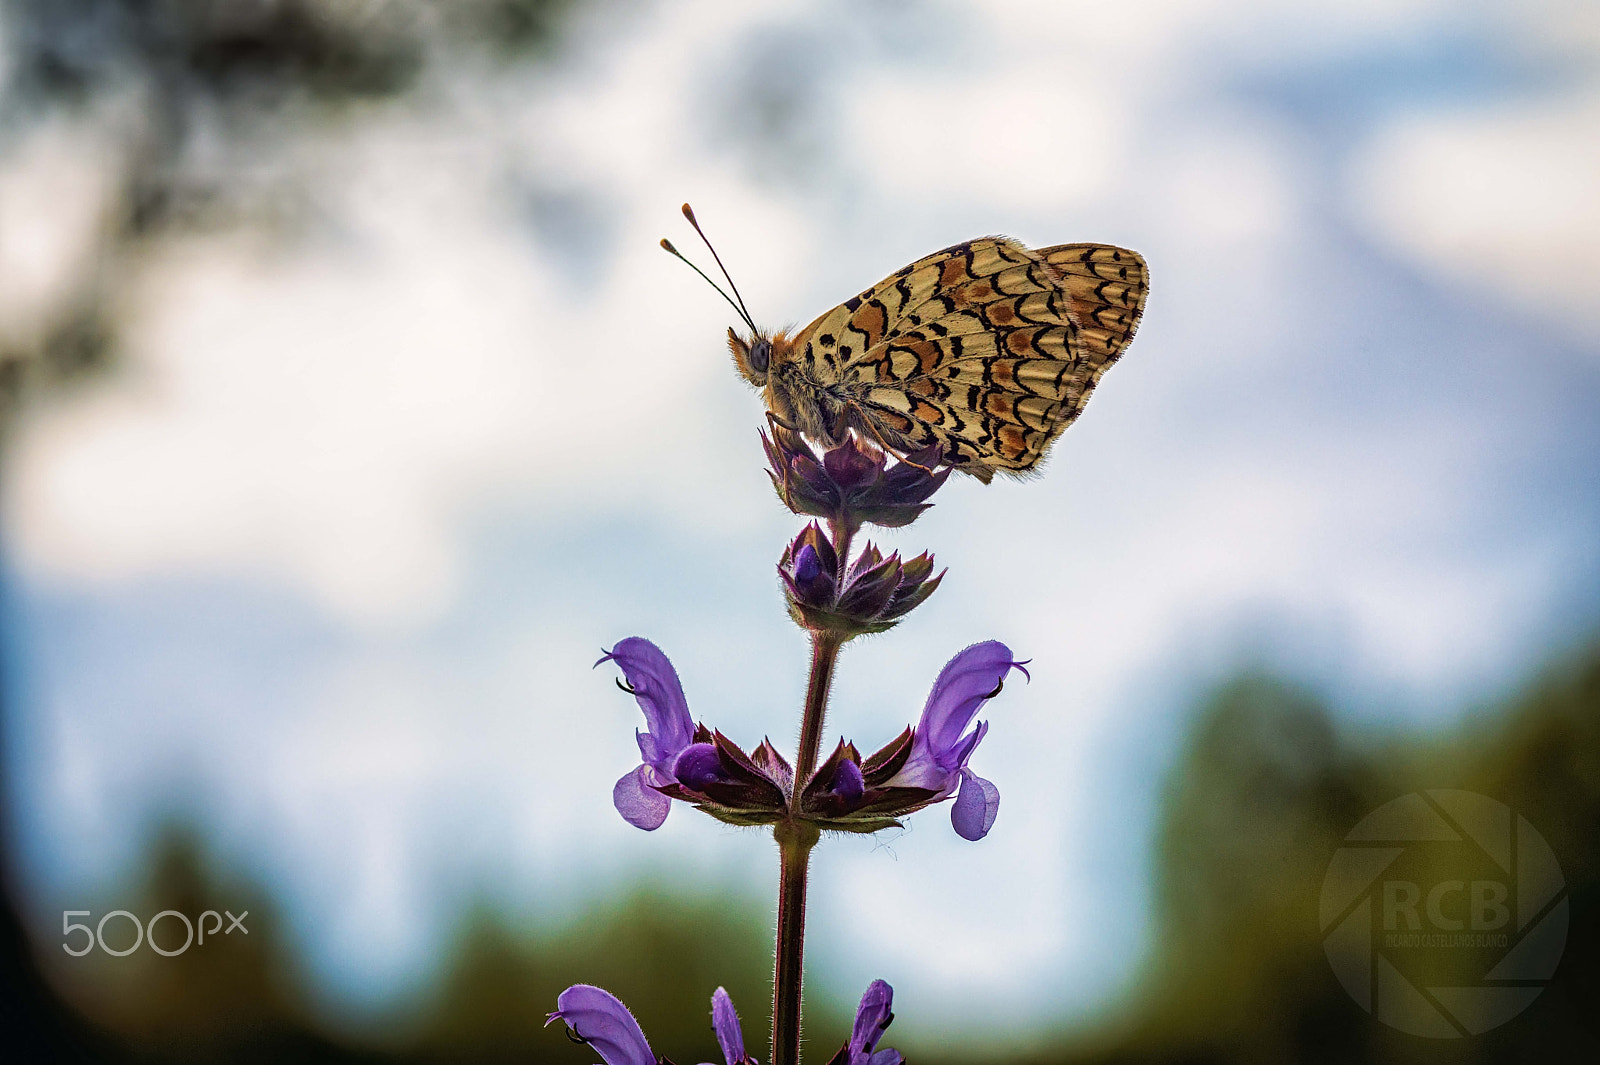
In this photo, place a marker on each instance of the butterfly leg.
(774, 419)
(861, 421)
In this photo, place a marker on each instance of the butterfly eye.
(760, 355)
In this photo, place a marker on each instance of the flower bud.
(875, 592)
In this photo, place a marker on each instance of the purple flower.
(654, 683)
(873, 1017)
(597, 1017)
(941, 745)
(846, 793)
(853, 482)
(921, 766)
(725, 1022)
(683, 760)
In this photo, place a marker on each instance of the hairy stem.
(824, 653)
(794, 847)
(795, 840)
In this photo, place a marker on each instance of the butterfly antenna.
(666, 245)
(688, 212)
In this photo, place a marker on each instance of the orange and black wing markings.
(985, 348)
(1107, 287)
(974, 347)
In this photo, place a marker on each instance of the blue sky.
(325, 561)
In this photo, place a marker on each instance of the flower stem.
(795, 841)
(824, 653)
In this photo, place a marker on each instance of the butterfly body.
(986, 348)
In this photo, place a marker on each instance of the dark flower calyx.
(719, 778)
(846, 794)
(874, 593)
(853, 483)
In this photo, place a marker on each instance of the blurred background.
(349, 408)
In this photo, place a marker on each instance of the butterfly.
(987, 348)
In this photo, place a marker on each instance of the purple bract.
(871, 595)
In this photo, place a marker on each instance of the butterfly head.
(751, 356)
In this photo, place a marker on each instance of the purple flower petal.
(847, 781)
(725, 1022)
(806, 566)
(659, 693)
(699, 765)
(649, 749)
(872, 1017)
(975, 808)
(809, 576)
(967, 744)
(639, 804)
(601, 1020)
(963, 684)
(939, 751)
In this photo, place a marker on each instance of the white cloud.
(334, 412)
(309, 417)
(1502, 199)
(58, 195)
(1028, 135)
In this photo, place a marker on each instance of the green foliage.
(661, 954)
(1260, 798)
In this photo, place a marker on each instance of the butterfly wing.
(859, 324)
(976, 347)
(1106, 286)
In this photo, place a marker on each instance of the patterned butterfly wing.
(975, 348)
(1107, 287)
